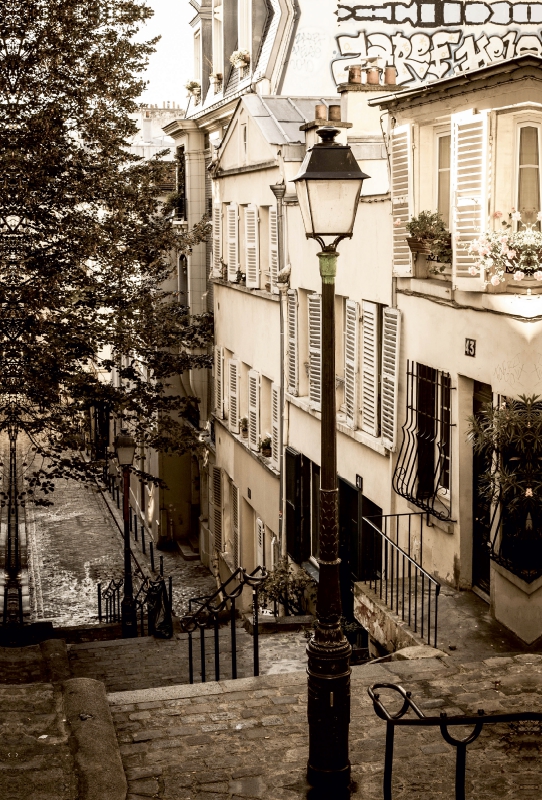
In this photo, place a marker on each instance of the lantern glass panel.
(328, 207)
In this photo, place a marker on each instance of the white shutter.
(469, 192)
(219, 382)
(235, 520)
(260, 542)
(276, 413)
(252, 247)
(391, 334)
(273, 247)
(351, 363)
(233, 242)
(233, 405)
(215, 506)
(315, 349)
(217, 239)
(292, 370)
(254, 410)
(401, 197)
(370, 367)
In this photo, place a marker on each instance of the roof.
(279, 118)
(529, 65)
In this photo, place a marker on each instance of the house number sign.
(470, 347)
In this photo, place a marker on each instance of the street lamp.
(328, 188)
(125, 447)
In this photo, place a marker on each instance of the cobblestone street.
(76, 543)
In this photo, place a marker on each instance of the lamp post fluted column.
(128, 612)
(328, 649)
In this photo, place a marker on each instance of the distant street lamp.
(125, 447)
(328, 188)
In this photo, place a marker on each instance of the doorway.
(348, 535)
(481, 509)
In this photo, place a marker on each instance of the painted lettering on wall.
(423, 55)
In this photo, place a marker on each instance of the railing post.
(170, 581)
(202, 651)
(217, 648)
(388, 760)
(161, 566)
(190, 658)
(151, 546)
(255, 632)
(99, 602)
(233, 641)
(143, 538)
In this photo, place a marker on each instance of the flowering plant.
(240, 58)
(193, 87)
(499, 253)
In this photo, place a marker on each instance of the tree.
(85, 243)
(510, 437)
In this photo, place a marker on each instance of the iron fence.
(153, 602)
(394, 574)
(444, 723)
(210, 611)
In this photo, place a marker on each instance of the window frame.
(198, 60)
(439, 133)
(526, 120)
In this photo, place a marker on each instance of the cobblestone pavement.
(190, 578)
(76, 543)
(248, 738)
(147, 662)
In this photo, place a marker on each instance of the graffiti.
(423, 56)
(434, 15)
(308, 50)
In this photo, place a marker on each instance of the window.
(444, 149)
(423, 471)
(215, 506)
(302, 495)
(254, 410)
(252, 247)
(315, 349)
(528, 202)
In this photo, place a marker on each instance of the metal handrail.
(390, 569)
(208, 613)
(443, 721)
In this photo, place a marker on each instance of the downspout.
(279, 190)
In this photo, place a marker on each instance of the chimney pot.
(334, 114)
(320, 111)
(354, 74)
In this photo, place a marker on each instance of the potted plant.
(241, 277)
(505, 252)
(240, 59)
(215, 79)
(193, 88)
(244, 427)
(294, 589)
(430, 236)
(266, 447)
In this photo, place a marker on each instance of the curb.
(97, 756)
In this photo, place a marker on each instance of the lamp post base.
(128, 617)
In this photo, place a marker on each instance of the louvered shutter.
(292, 360)
(273, 247)
(275, 423)
(254, 410)
(233, 396)
(401, 197)
(252, 247)
(215, 506)
(217, 239)
(219, 382)
(351, 363)
(235, 520)
(260, 542)
(315, 349)
(391, 334)
(370, 368)
(469, 192)
(233, 242)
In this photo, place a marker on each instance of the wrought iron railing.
(153, 603)
(444, 723)
(394, 572)
(210, 611)
(423, 472)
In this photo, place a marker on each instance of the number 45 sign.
(470, 347)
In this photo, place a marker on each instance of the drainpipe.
(279, 190)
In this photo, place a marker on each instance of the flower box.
(422, 246)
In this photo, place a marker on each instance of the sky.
(171, 66)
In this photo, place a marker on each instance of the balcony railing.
(388, 560)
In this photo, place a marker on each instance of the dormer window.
(528, 187)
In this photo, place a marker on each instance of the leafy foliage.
(87, 250)
(293, 589)
(430, 226)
